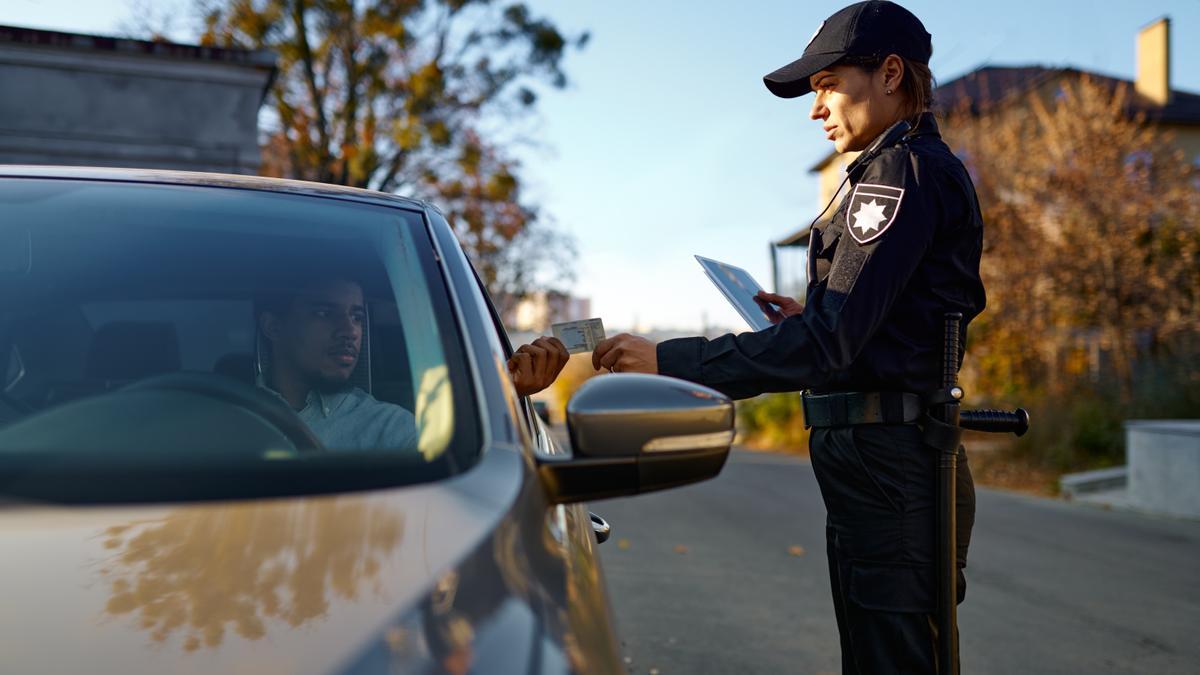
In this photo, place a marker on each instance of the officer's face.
(853, 105)
(318, 338)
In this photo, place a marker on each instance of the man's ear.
(268, 325)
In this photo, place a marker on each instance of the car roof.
(200, 179)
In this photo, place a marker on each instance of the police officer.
(901, 251)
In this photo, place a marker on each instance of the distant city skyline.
(666, 144)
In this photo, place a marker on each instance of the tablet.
(739, 289)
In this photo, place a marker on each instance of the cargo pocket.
(892, 587)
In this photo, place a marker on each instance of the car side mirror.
(635, 433)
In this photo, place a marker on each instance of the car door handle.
(601, 527)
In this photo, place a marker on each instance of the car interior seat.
(392, 372)
(236, 365)
(123, 351)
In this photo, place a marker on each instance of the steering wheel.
(229, 390)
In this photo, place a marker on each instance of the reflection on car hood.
(289, 585)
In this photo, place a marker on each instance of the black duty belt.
(849, 408)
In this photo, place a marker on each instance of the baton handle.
(995, 421)
(951, 349)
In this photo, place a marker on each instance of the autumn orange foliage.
(419, 98)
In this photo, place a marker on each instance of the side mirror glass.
(635, 433)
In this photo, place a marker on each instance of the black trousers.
(879, 484)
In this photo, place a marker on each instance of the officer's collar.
(926, 126)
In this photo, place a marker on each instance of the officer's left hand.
(626, 353)
(769, 301)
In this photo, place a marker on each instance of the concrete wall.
(1164, 466)
(107, 108)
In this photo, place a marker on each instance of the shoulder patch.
(872, 209)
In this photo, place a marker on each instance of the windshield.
(212, 342)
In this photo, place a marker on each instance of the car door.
(588, 618)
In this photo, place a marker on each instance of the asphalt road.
(730, 576)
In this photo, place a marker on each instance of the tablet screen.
(739, 288)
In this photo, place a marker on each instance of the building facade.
(543, 308)
(88, 100)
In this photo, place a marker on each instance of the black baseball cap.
(863, 29)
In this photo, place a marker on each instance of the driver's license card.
(579, 336)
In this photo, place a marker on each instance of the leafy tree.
(410, 96)
(1092, 259)
(1092, 267)
(480, 198)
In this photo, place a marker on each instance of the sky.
(666, 144)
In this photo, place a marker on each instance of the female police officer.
(901, 251)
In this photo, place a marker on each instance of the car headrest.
(237, 366)
(131, 350)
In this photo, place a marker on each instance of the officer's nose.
(819, 111)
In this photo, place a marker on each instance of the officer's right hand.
(626, 353)
(786, 306)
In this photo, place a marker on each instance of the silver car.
(167, 509)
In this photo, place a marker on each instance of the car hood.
(284, 585)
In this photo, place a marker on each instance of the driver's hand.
(536, 365)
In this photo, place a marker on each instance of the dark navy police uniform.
(877, 288)
(901, 251)
(872, 323)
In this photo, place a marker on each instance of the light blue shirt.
(355, 420)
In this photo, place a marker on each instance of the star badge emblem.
(869, 216)
(872, 210)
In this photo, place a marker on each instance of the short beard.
(329, 385)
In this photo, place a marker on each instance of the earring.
(889, 91)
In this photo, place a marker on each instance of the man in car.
(315, 336)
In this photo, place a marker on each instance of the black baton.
(947, 413)
(945, 434)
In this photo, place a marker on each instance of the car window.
(525, 403)
(506, 344)
(205, 328)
